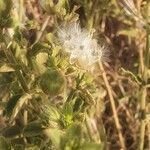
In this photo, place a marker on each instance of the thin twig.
(113, 106)
(42, 29)
(20, 10)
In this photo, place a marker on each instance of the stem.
(145, 78)
(113, 106)
(42, 29)
(20, 11)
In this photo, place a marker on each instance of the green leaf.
(67, 114)
(78, 105)
(5, 7)
(68, 109)
(18, 142)
(33, 129)
(12, 131)
(51, 62)
(18, 35)
(4, 67)
(19, 105)
(5, 10)
(41, 60)
(36, 141)
(52, 82)
(38, 48)
(74, 130)
(133, 77)
(18, 147)
(15, 88)
(50, 115)
(4, 145)
(55, 136)
(32, 148)
(72, 138)
(91, 146)
(128, 32)
(11, 104)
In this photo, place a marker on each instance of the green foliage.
(33, 129)
(49, 103)
(11, 104)
(11, 132)
(50, 115)
(4, 144)
(54, 7)
(5, 10)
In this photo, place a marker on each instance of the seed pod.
(52, 82)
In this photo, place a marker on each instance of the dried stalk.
(144, 89)
(113, 106)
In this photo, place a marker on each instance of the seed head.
(82, 48)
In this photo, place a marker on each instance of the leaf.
(18, 147)
(51, 62)
(11, 104)
(33, 129)
(17, 142)
(72, 138)
(92, 146)
(19, 105)
(74, 131)
(38, 48)
(4, 145)
(131, 75)
(55, 136)
(36, 141)
(52, 82)
(128, 32)
(6, 68)
(5, 7)
(67, 114)
(50, 115)
(41, 60)
(78, 105)
(12, 131)
(18, 35)
(15, 88)
(32, 148)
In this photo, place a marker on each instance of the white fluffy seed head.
(82, 48)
